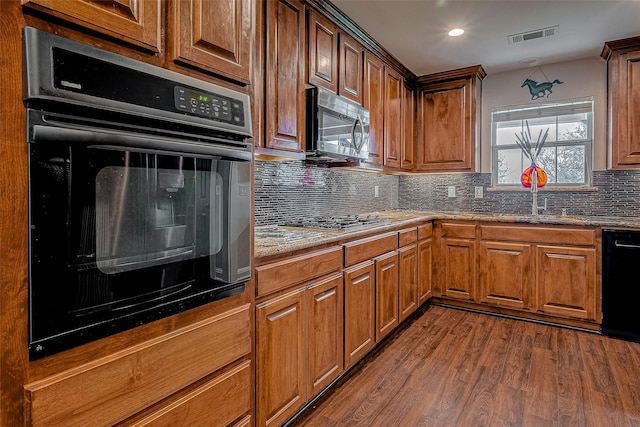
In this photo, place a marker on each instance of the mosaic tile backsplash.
(285, 191)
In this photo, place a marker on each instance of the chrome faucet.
(534, 190)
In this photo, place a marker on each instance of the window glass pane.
(572, 127)
(547, 161)
(571, 165)
(510, 166)
(539, 126)
(567, 147)
(506, 132)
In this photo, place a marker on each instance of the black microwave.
(337, 128)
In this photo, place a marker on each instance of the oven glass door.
(121, 236)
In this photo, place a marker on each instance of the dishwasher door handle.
(626, 245)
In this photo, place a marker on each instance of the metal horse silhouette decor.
(538, 90)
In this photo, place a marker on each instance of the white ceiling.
(415, 31)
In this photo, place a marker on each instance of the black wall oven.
(140, 192)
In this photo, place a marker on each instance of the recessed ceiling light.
(456, 32)
(529, 60)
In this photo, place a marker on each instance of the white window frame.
(582, 105)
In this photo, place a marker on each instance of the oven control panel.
(210, 105)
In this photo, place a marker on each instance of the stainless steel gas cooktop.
(341, 222)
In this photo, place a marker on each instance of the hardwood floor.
(455, 368)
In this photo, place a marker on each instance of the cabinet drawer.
(564, 236)
(115, 387)
(362, 250)
(407, 236)
(467, 231)
(425, 231)
(291, 271)
(218, 402)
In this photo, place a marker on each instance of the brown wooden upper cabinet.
(215, 36)
(393, 86)
(323, 52)
(285, 76)
(335, 58)
(134, 21)
(408, 159)
(374, 100)
(350, 68)
(448, 120)
(623, 62)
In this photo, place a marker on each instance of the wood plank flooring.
(451, 367)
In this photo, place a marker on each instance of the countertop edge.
(400, 219)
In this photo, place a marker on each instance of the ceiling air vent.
(533, 35)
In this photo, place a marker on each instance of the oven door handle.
(101, 138)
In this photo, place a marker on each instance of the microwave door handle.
(101, 138)
(355, 145)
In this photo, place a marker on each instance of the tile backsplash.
(286, 191)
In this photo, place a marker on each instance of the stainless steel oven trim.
(38, 69)
(112, 138)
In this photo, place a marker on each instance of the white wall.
(582, 78)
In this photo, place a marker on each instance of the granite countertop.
(273, 239)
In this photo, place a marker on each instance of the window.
(567, 153)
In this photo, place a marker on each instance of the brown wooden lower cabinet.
(458, 268)
(506, 274)
(299, 347)
(218, 402)
(425, 271)
(359, 311)
(543, 270)
(566, 281)
(281, 364)
(408, 280)
(119, 386)
(386, 294)
(325, 327)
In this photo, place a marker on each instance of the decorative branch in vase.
(532, 151)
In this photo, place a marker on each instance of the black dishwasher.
(621, 284)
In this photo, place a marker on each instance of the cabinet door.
(280, 353)
(325, 328)
(459, 268)
(565, 281)
(625, 112)
(447, 137)
(408, 159)
(323, 52)
(285, 65)
(359, 314)
(408, 283)
(425, 259)
(134, 21)
(351, 53)
(218, 401)
(506, 270)
(215, 36)
(393, 118)
(386, 294)
(374, 75)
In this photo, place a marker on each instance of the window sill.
(544, 189)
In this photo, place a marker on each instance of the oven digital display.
(209, 105)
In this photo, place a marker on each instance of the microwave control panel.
(210, 105)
